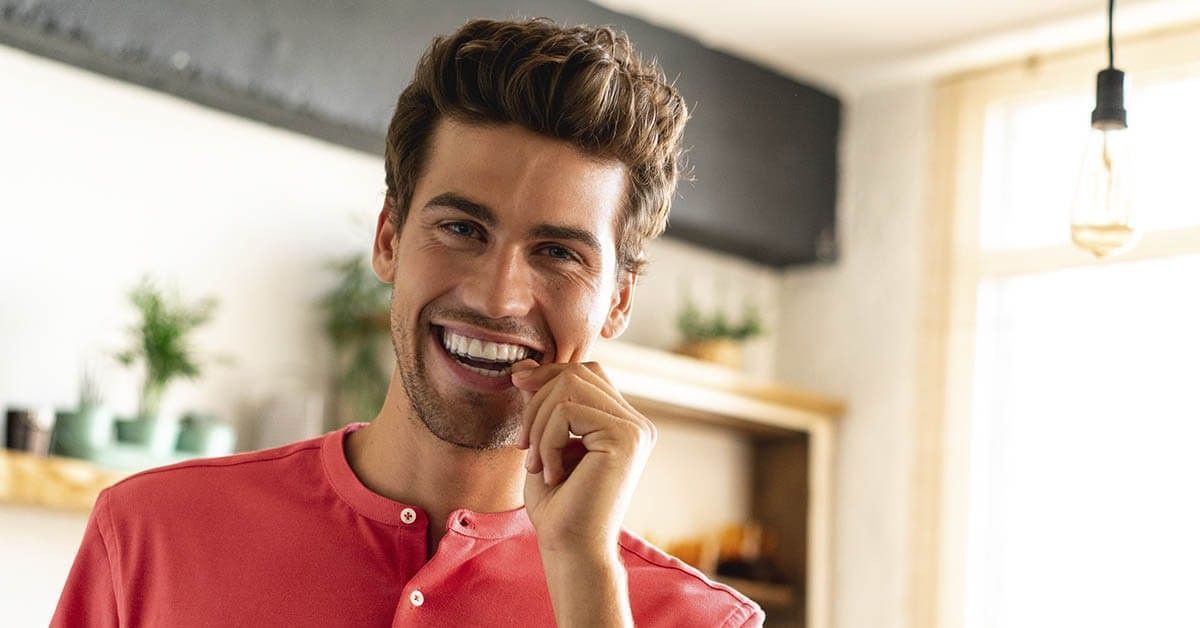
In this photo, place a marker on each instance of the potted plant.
(204, 435)
(357, 324)
(160, 345)
(714, 337)
(88, 429)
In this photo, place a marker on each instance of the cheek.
(421, 273)
(575, 316)
(424, 258)
(579, 296)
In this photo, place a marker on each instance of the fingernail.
(529, 460)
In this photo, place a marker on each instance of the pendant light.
(1102, 216)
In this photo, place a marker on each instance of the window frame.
(955, 266)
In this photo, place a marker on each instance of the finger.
(594, 373)
(571, 386)
(533, 401)
(556, 392)
(598, 376)
(524, 365)
(555, 437)
(518, 368)
(533, 378)
(569, 418)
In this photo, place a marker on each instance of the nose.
(500, 285)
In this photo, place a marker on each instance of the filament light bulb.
(1102, 218)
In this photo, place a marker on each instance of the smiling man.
(527, 163)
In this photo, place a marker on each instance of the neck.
(397, 457)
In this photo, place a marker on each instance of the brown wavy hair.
(584, 85)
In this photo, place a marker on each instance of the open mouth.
(490, 359)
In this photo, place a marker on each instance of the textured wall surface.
(851, 331)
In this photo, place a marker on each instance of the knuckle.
(631, 430)
(573, 385)
(598, 369)
(562, 410)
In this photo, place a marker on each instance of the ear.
(383, 252)
(622, 304)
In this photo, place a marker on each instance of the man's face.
(508, 251)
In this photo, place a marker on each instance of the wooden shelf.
(793, 439)
(51, 481)
(693, 390)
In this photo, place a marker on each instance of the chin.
(456, 414)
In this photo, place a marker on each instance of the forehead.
(523, 176)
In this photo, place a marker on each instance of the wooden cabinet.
(793, 436)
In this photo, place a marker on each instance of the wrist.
(595, 558)
(591, 548)
(588, 588)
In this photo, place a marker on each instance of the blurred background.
(923, 355)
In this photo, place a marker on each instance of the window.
(1080, 485)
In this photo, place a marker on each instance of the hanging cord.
(1110, 33)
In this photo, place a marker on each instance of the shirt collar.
(486, 525)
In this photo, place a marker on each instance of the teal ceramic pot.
(205, 436)
(128, 431)
(83, 433)
(155, 434)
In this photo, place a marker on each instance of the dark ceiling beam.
(763, 146)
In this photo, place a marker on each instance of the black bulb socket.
(1109, 113)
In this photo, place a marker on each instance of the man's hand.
(586, 449)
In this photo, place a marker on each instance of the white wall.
(714, 281)
(851, 332)
(37, 547)
(102, 181)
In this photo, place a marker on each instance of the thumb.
(521, 367)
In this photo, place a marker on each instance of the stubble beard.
(472, 420)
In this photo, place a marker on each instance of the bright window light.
(1084, 500)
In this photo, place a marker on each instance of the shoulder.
(682, 590)
(193, 483)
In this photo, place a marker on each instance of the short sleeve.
(755, 619)
(89, 597)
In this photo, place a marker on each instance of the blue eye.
(560, 252)
(461, 229)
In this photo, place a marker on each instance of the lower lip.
(468, 378)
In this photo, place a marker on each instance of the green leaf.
(695, 326)
(160, 339)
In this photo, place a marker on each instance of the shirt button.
(416, 597)
(408, 515)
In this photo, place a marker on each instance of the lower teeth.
(488, 372)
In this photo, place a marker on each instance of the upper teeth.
(482, 349)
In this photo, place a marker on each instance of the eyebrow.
(484, 214)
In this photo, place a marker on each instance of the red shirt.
(289, 536)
